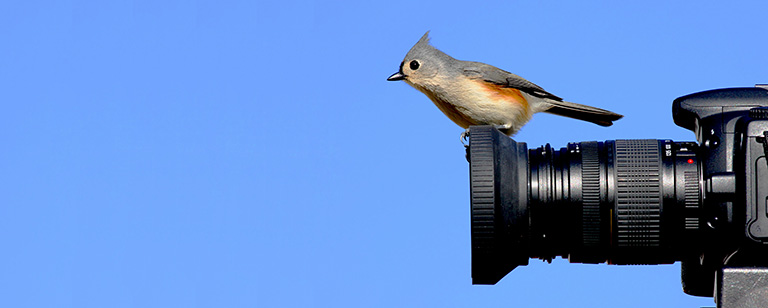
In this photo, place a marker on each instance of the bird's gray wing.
(501, 77)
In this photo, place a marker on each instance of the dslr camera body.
(703, 203)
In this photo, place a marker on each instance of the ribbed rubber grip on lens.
(638, 193)
(590, 194)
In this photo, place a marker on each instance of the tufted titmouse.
(474, 93)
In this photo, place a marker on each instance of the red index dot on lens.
(690, 160)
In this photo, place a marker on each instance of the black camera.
(703, 203)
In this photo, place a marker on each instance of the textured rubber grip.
(590, 194)
(638, 193)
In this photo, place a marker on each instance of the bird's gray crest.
(424, 39)
(423, 50)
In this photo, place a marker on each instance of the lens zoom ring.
(590, 194)
(638, 193)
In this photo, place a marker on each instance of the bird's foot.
(464, 136)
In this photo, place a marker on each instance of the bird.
(475, 93)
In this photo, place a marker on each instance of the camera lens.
(617, 201)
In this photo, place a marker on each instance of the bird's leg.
(464, 136)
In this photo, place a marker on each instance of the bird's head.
(421, 64)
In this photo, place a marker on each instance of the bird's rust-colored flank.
(507, 94)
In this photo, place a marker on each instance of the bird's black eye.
(414, 65)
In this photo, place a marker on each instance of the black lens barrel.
(621, 202)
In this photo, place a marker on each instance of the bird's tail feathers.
(595, 115)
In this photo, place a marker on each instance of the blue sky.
(251, 153)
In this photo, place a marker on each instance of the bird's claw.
(464, 137)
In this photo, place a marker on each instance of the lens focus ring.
(638, 193)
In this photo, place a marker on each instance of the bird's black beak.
(396, 76)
